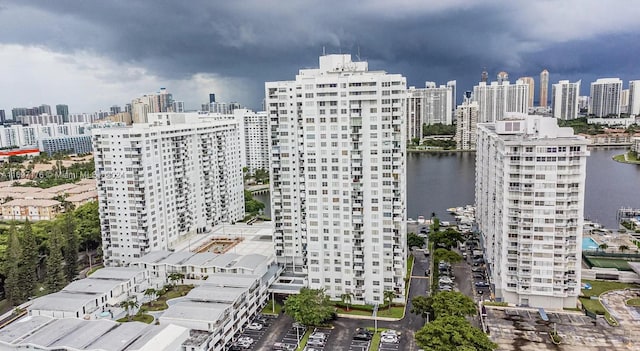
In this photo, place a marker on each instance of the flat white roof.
(214, 293)
(196, 311)
(232, 280)
(93, 286)
(118, 273)
(62, 301)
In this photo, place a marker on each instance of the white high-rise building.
(466, 124)
(256, 138)
(564, 99)
(338, 177)
(530, 182)
(429, 105)
(624, 101)
(583, 103)
(496, 99)
(605, 97)
(161, 101)
(163, 181)
(634, 97)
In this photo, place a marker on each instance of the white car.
(255, 326)
(389, 332)
(389, 339)
(246, 339)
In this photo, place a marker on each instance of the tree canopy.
(252, 205)
(446, 255)
(438, 129)
(422, 306)
(452, 303)
(309, 307)
(453, 333)
(414, 240)
(445, 239)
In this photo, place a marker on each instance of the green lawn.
(630, 158)
(633, 302)
(303, 341)
(394, 312)
(160, 303)
(143, 317)
(375, 342)
(268, 309)
(598, 287)
(593, 305)
(410, 266)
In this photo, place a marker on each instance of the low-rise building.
(30, 209)
(75, 144)
(82, 198)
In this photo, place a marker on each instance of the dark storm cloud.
(268, 40)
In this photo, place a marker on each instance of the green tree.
(603, 246)
(388, 296)
(445, 239)
(446, 255)
(151, 294)
(28, 263)
(71, 246)
(261, 176)
(87, 220)
(623, 248)
(129, 305)
(453, 303)
(55, 279)
(12, 286)
(422, 306)
(414, 240)
(452, 333)
(309, 307)
(346, 299)
(252, 205)
(175, 277)
(415, 141)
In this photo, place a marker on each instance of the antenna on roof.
(323, 51)
(358, 55)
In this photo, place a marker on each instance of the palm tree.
(151, 293)
(346, 299)
(623, 248)
(603, 246)
(174, 277)
(129, 305)
(389, 295)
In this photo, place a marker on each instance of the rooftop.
(198, 311)
(93, 286)
(83, 196)
(214, 293)
(32, 202)
(120, 273)
(232, 280)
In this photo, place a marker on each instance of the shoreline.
(622, 158)
(608, 146)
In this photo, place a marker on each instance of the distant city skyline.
(233, 48)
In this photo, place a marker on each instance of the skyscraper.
(163, 181)
(624, 101)
(429, 105)
(63, 110)
(3, 118)
(212, 98)
(502, 77)
(484, 77)
(605, 97)
(496, 99)
(564, 99)
(532, 88)
(161, 101)
(466, 123)
(43, 110)
(338, 177)
(530, 182)
(256, 138)
(634, 97)
(115, 109)
(544, 88)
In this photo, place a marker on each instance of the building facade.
(496, 99)
(429, 105)
(466, 125)
(544, 88)
(256, 138)
(63, 110)
(634, 97)
(338, 177)
(564, 99)
(605, 97)
(77, 144)
(532, 88)
(530, 182)
(161, 182)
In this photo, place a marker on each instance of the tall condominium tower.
(338, 177)
(161, 182)
(484, 77)
(496, 99)
(429, 105)
(634, 97)
(530, 181)
(544, 88)
(63, 110)
(532, 88)
(161, 101)
(564, 99)
(466, 123)
(605, 97)
(624, 101)
(502, 77)
(256, 138)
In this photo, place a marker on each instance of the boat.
(421, 219)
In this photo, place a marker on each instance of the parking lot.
(311, 345)
(254, 331)
(359, 345)
(294, 335)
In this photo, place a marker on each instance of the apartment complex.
(338, 177)
(605, 97)
(532, 88)
(496, 99)
(256, 138)
(466, 124)
(76, 144)
(564, 99)
(161, 101)
(634, 97)
(544, 88)
(530, 182)
(429, 105)
(161, 182)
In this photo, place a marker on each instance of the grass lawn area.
(610, 263)
(268, 308)
(631, 159)
(394, 312)
(598, 287)
(410, 266)
(375, 341)
(143, 317)
(593, 305)
(160, 303)
(93, 269)
(303, 341)
(633, 302)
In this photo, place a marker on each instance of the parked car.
(390, 332)
(315, 342)
(298, 325)
(477, 269)
(318, 335)
(280, 346)
(246, 339)
(255, 326)
(362, 334)
(445, 280)
(389, 339)
(482, 284)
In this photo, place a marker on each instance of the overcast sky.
(94, 54)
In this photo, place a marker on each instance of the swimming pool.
(588, 244)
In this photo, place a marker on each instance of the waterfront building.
(466, 124)
(564, 99)
(605, 97)
(544, 88)
(256, 138)
(530, 183)
(338, 178)
(163, 181)
(3, 118)
(634, 97)
(532, 88)
(495, 100)
(484, 76)
(624, 101)
(502, 77)
(429, 105)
